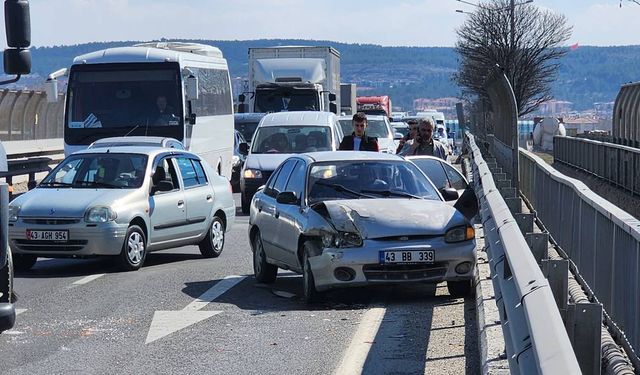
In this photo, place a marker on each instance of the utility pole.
(515, 163)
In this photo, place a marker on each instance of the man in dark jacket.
(358, 140)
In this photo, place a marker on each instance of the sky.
(387, 23)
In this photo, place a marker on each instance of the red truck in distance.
(374, 105)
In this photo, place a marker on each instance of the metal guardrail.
(602, 240)
(617, 164)
(535, 336)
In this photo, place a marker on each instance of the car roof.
(322, 156)
(248, 117)
(399, 124)
(298, 118)
(146, 150)
(413, 157)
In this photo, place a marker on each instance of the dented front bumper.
(359, 266)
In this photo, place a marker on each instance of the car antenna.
(130, 131)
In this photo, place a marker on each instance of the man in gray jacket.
(424, 144)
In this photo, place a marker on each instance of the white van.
(280, 135)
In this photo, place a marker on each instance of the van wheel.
(23, 262)
(245, 204)
(213, 243)
(134, 249)
(6, 281)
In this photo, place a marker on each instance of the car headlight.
(99, 215)
(13, 213)
(252, 173)
(459, 234)
(341, 239)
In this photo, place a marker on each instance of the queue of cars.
(341, 219)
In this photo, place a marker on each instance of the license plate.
(407, 256)
(48, 235)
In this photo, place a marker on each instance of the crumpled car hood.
(387, 217)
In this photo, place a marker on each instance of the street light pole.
(515, 163)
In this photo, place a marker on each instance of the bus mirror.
(242, 108)
(192, 119)
(51, 89)
(17, 61)
(17, 23)
(332, 98)
(333, 108)
(241, 98)
(191, 87)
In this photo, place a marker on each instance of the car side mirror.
(191, 119)
(287, 197)
(244, 148)
(397, 136)
(162, 185)
(449, 194)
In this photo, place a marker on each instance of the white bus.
(161, 89)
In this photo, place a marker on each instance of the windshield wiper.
(338, 187)
(55, 183)
(389, 193)
(100, 184)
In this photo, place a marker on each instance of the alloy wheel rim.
(135, 248)
(217, 238)
(257, 257)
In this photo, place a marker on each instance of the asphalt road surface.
(182, 314)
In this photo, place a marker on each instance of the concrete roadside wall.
(26, 115)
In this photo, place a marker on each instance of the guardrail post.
(508, 192)
(557, 273)
(525, 222)
(584, 329)
(538, 243)
(515, 205)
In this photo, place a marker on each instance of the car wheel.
(134, 249)
(6, 281)
(264, 272)
(459, 288)
(213, 243)
(23, 262)
(245, 204)
(310, 295)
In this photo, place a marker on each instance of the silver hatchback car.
(347, 219)
(122, 201)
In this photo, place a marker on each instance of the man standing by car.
(424, 143)
(358, 140)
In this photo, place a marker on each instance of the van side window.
(214, 95)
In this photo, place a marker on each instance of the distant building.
(604, 109)
(554, 107)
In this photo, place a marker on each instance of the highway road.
(182, 314)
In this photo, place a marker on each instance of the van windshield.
(291, 139)
(115, 99)
(286, 99)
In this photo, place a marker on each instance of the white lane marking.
(214, 292)
(165, 323)
(354, 358)
(20, 311)
(88, 279)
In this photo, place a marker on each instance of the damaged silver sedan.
(348, 219)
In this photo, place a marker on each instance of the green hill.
(587, 75)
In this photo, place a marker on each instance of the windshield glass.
(346, 125)
(291, 139)
(107, 171)
(124, 99)
(275, 100)
(368, 179)
(247, 129)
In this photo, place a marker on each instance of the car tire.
(310, 293)
(134, 249)
(460, 288)
(23, 262)
(213, 243)
(264, 272)
(6, 281)
(245, 204)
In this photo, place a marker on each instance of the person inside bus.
(164, 114)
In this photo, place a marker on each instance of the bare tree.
(528, 54)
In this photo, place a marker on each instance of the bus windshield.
(123, 99)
